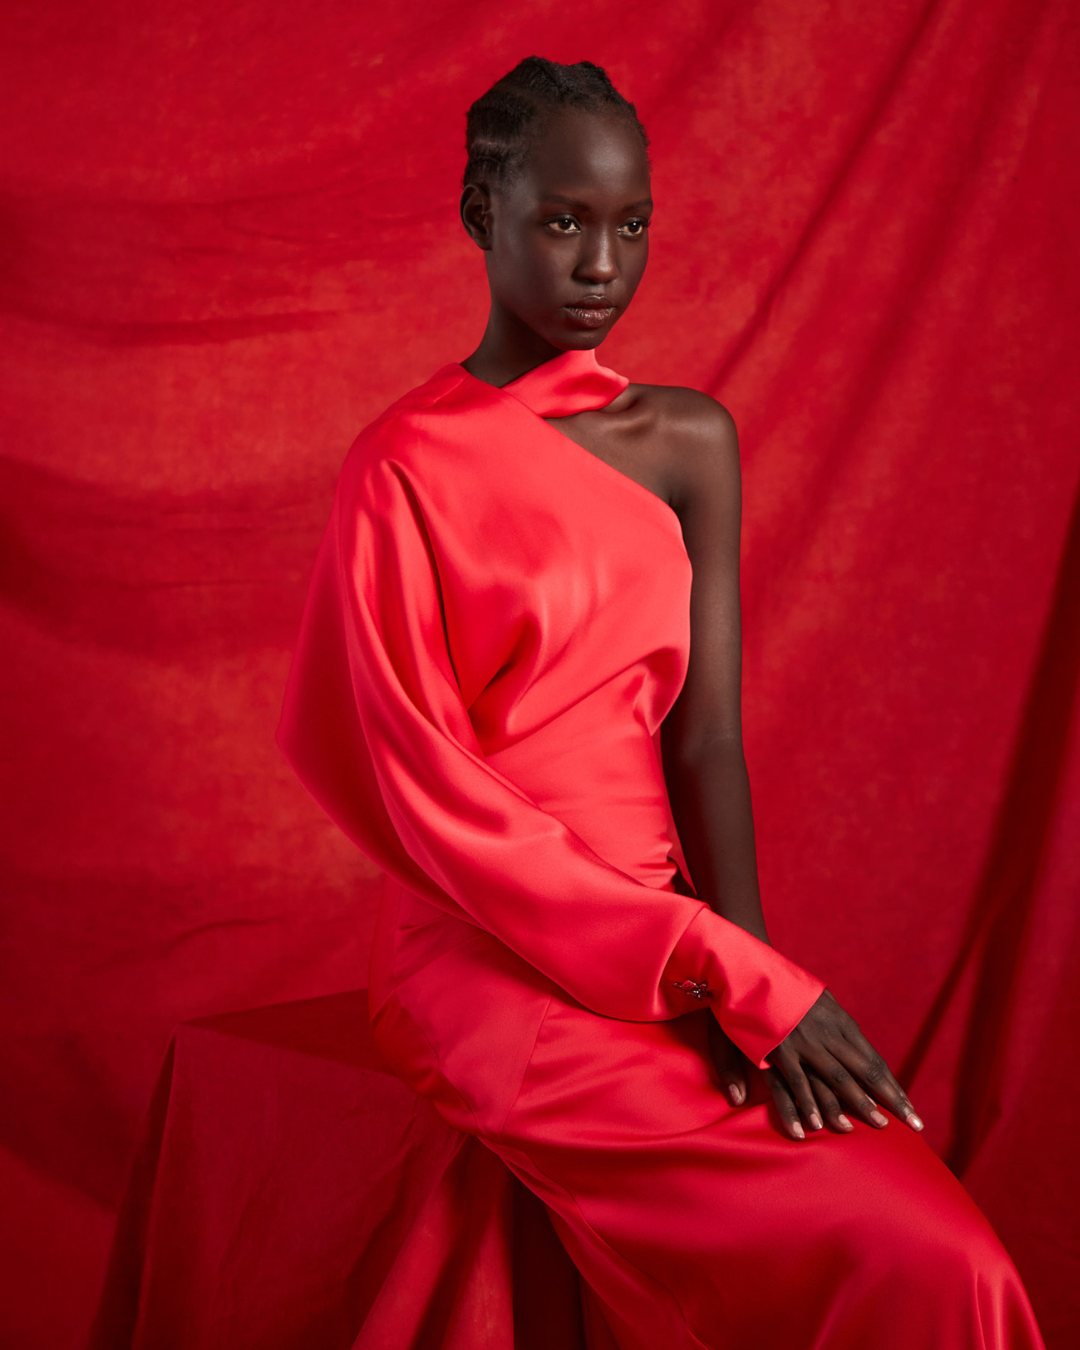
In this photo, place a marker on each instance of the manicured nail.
(815, 1121)
(735, 1092)
(914, 1121)
(797, 1130)
(878, 1119)
(844, 1123)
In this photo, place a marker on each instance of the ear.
(475, 210)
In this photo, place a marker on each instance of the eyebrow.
(573, 201)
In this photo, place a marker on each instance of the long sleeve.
(376, 727)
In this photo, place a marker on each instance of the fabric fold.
(377, 726)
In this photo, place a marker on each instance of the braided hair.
(503, 123)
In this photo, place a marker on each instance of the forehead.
(585, 154)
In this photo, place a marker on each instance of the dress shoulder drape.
(467, 595)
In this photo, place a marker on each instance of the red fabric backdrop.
(229, 239)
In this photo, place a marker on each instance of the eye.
(565, 225)
(633, 229)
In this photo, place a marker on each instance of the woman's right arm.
(375, 726)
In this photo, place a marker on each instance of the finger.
(734, 1085)
(831, 1109)
(785, 1104)
(845, 1086)
(730, 1064)
(800, 1088)
(876, 1077)
(730, 1069)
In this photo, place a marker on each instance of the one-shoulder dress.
(497, 625)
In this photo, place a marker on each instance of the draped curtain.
(228, 238)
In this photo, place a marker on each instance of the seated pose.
(517, 690)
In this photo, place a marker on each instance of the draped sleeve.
(375, 725)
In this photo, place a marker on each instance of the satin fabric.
(497, 626)
(498, 623)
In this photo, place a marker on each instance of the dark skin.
(566, 241)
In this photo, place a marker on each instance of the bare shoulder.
(696, 438)
(686, 417)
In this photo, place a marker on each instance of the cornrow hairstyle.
(503, 123)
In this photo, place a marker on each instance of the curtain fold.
(229, 239)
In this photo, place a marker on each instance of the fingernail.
(815, 1121)
(878, 1119)
(736, 1094)
(798, 1131)
(914, 1121)
(844, 1123)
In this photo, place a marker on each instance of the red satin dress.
(497, 626)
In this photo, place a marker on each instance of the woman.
(510, 695)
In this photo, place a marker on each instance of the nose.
(597, 261)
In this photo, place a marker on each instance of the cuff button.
(692, 989)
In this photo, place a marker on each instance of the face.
(567, 240)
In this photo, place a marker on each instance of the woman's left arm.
(701, 739)
(825, 1063)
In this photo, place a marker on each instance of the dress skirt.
(694, 1223)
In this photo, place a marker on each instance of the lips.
(591, 311)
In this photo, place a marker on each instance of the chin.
(581, 340)
(573, 339)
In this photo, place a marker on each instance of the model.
(517, 688)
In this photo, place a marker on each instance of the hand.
(821, 1064)
(827, 1063)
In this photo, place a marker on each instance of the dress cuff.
(757, 995)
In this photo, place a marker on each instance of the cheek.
(551, 268)
(635, 268)
(533, 274)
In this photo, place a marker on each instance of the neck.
(508, 350)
